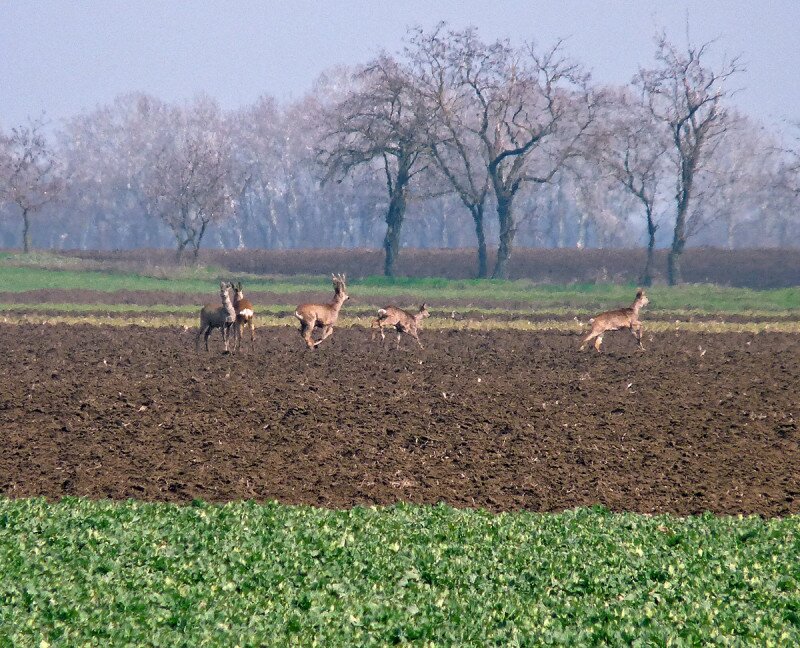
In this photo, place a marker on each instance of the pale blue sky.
(64, 57)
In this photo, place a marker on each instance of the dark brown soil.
(501, 420)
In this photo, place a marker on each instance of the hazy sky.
(67, 56)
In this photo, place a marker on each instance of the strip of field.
(462, 311)
(103, 573)
(375, 290)
(432, 323)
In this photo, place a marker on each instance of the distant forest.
(453, 142)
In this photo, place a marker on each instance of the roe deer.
(244, 316)
(614, 320)
(215, 316)
(322, 316)
(402, 321)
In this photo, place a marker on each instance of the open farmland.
(498, 419)
(105, 398)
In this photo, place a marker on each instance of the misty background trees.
(452, 142)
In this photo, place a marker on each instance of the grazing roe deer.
(215, 316)
(402, 321)
(614, 320)
(322, 316)
(244, 316)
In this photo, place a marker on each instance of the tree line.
(451, 142)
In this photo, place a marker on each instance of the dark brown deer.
(245, 316)
(324, 316)
(613, 320)
(215, 316)
(402, 321)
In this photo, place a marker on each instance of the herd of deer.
(236, 312)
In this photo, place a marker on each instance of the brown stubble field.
(498, 419)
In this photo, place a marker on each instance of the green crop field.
(79, 572)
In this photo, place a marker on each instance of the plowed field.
(497, 419)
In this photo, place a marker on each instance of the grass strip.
(81, 572)
(432, 323)
(706, 298)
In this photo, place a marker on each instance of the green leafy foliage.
(81, 572)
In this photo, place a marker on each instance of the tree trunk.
(394, 218)
(647, 275)
(674, 274)
(394, 223)
(483, 263)
(26, 232)
(197, 240)
(678, 244)
(505, 216)
(179, 250)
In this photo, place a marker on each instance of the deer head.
(238, 293)
(340, 287)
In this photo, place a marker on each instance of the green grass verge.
(688, 298)
(81, 572)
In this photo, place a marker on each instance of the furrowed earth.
(498, 419)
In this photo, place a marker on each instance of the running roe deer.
(402, 321)
(614, 320)
(215, 316)
(322, 316)
(244, 316)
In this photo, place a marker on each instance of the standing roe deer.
(244, 316)
(402, 321)
(322, 316)
(215, 316)
(614, 320)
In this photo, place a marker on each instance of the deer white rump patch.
(247, 312)
(381, 312)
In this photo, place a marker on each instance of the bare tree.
(689, 99)
(738, 185)
(383, 120)
(531, 109)
(109, 154)
(633, 150)
(29, 173)
(190, 182)
(436, 59)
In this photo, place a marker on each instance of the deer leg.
(208, 332)
(399, 334)
(305, 333)
(637, 333)
(598, 342)
(588, 338)
(197, 338)
(326, 332)
(415, 335)
(237, 335)
(252, 325)
(225, 330)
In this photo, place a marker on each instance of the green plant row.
(80, 572)
(694, 298)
